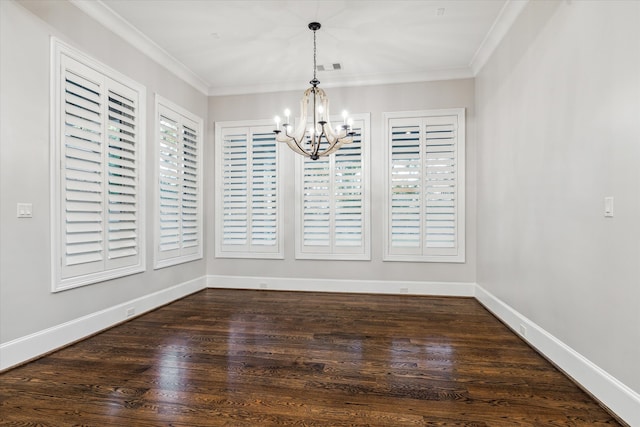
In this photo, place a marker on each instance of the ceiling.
(231, 47)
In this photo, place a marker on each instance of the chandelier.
(320, 138)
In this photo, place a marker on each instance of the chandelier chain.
(315, 68)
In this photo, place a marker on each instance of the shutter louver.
(83, 203)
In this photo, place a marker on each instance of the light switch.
(608, 206)
(25, 210)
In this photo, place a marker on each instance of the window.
(332, 209)
(179, 180)
(97, 147)
(425, 186)
(248, 191)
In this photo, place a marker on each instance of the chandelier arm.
(330, 150)
(293, 144)
(347, 139)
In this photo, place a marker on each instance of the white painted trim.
(458, 289)
(507, 16)
(619, 398)
(26, 348)
(124, 29)
(347, 81)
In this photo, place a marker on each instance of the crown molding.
(114, 22)
(353, 81)
(507, 16)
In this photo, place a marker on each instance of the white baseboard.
(26, 348)
(619, 398)
(458, 289)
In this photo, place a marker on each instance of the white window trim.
(58, 49)
(222, 251)
(459, 257)
(160, 260)
(333, 252)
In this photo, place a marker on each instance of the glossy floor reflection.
(258, 358)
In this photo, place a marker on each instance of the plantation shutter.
(406, 186)
(249, 194)
(264, 188)
(179, 183)
(191, 187)
(169, 184)
(317, 202)
(83, 205)
(97, 173)
(235, 191)
(425, 209)
(122, 169)
(440, 182)
(331, 217)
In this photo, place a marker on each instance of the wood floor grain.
(261, 358)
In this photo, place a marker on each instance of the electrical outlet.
(523, 330)
(131, 311)
(263, 286)
(404, 290)
(25, 210)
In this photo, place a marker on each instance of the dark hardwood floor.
(261, 358)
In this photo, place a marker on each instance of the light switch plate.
(608, 207)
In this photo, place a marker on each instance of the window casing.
(178, 213)
(424, 212)
(97, 176)
(332, 201)
(249, 214)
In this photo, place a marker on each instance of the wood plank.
(263, 358)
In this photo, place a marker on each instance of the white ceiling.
(230, 47)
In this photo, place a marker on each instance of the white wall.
(374, 100)
(26, 303)
(558, 130)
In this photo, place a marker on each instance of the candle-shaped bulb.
(350, 123)
(277, 120)
(320, 111)
(344, 116)
(287, 113)
(311, 132)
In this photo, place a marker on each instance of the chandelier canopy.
(314, 137)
